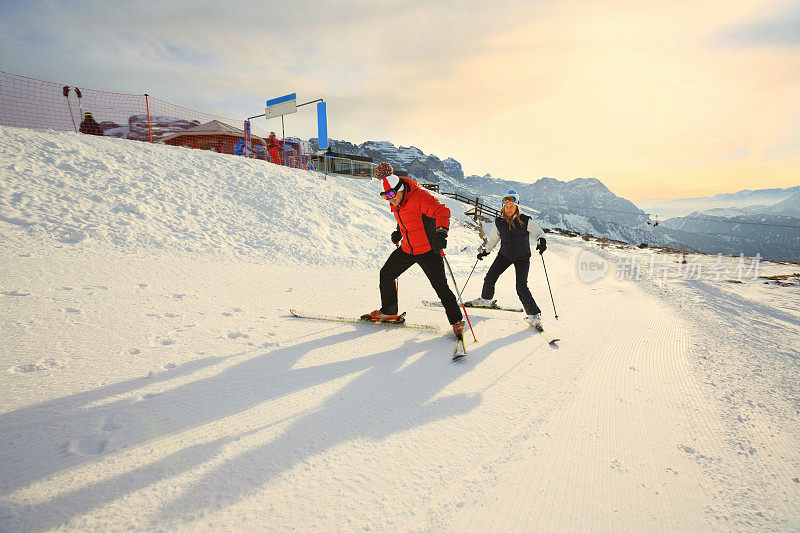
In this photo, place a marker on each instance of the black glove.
(482, 254)
(439, 241)
(396, 236)
(541, 246)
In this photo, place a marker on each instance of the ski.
(549, 337)
(494, 306)
(350, 320)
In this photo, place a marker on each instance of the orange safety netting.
(31, 103)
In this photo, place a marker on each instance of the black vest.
(515, 242)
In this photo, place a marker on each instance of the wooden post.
(149, 129)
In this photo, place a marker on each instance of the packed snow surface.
(151, 376)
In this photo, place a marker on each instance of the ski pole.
(548, 287)
(397, 281)
(470, 275)
(78, 93)
(65, 90)
(446, 262)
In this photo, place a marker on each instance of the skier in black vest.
(90, 126)
(515, 232)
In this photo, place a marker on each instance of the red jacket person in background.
(422, 226)
(274, 147)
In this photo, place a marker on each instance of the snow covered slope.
(152, 377)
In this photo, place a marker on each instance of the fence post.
(149, 129)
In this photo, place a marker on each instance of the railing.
(480, 210)
(342, 166)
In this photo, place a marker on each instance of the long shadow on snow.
(401, 403)
(34, 440)
(390, 397)
(58, 511)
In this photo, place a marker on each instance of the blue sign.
(322, 126)
(282, 99)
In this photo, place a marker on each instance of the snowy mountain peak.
(376, 145)
(587, 182)
(453, 168)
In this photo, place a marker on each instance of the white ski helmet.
(511, 194)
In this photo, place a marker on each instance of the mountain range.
(751, 222)
(747, 201)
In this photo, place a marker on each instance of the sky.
(656, 99)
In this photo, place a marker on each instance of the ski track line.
(555, 375)
(619, 355)
(580, 453)
(535, 406)
(773, 447)
(564, 458)
(505, 374)
(527, 420)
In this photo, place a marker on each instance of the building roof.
(214, 127)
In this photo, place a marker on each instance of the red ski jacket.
(418, 216)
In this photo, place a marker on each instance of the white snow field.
(151, 376)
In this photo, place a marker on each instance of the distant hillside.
(789, 207)
(772, 236)
(754, 201)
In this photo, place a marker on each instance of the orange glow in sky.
(657, 99)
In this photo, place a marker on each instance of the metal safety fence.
(31, 103)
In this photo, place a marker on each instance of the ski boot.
(379, 316)
(481, 302)
(535, 320)
(458, 330)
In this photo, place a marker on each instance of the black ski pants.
(433, 266)
(522, 266)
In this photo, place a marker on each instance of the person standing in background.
(274, 148)
(89, 125)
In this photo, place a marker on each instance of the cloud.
(779, 29)
(627, 92)
(364, 50)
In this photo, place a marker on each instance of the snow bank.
(95, 192)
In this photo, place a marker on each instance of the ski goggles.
(391, 193)
(509, 200)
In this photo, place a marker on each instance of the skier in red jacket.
(422, 226)
(274, 148)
